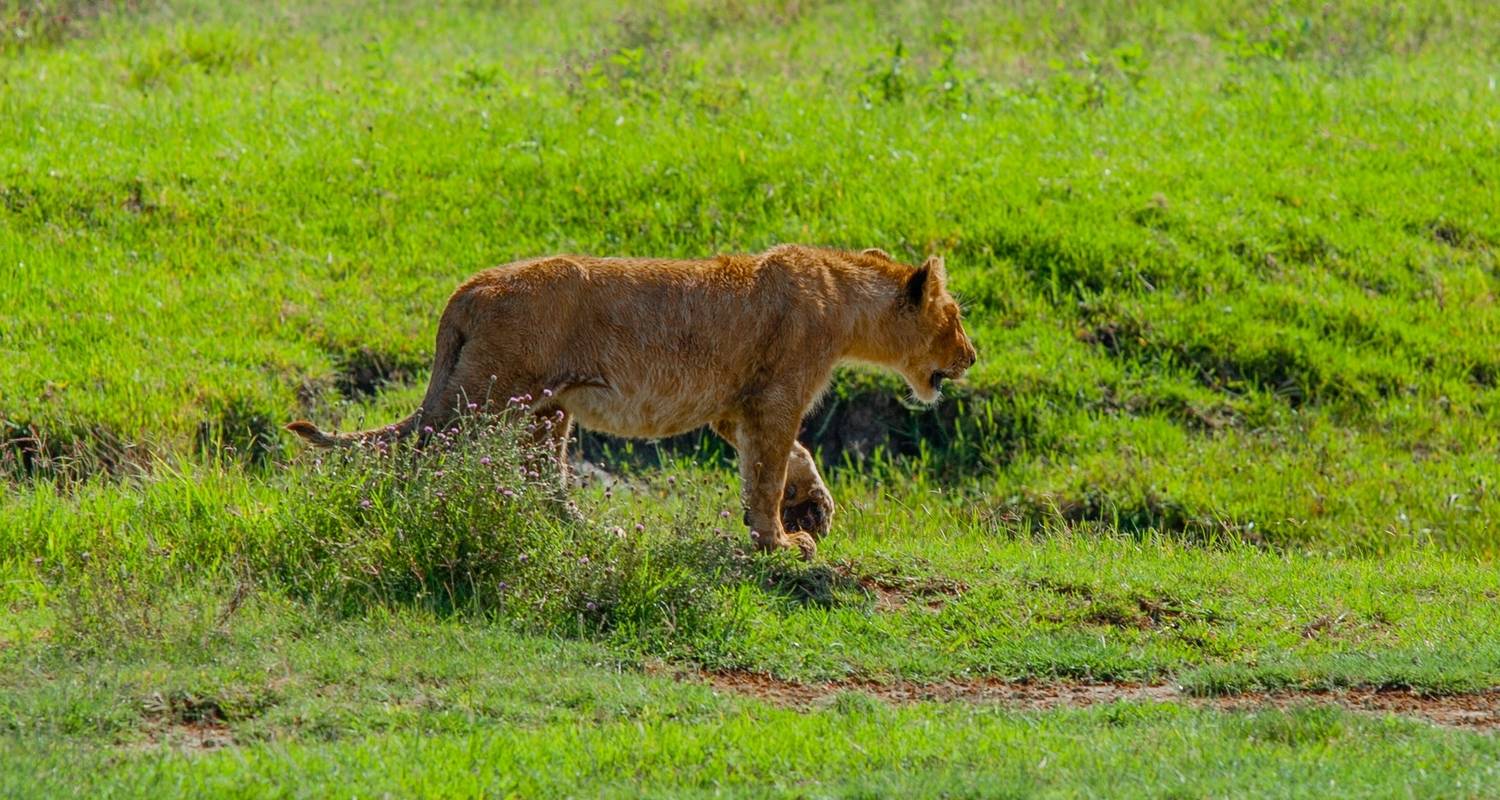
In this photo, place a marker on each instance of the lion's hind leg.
(550, 428)
(806, 503)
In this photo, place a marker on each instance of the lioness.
(649, 348)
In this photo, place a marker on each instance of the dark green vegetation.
(1232, 272)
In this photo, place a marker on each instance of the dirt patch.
(1474, 711)
(189, 737)
(1142, 612)
(1478, 711)
(185, 722)
(1021, 695)
(895, 592)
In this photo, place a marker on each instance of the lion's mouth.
(936, 381)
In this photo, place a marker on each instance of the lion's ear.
(916, 286)
(939, 280)
(927, 281)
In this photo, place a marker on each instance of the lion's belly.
(647, 408)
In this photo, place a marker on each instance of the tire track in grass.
(1477, 711)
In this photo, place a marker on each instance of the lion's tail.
(450, 341)
(390, 433)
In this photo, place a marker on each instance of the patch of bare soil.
(894, 592)
(190, 737)
(1474, 711)
(186, 723)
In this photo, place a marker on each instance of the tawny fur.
(650, 347)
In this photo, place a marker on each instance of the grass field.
(1231, 269)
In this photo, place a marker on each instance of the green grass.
(1227, 265)
(915, 589)
(407, 704)
(1231, 269)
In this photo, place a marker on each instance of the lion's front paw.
(804, 543)
(814, 515)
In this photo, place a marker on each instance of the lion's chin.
(925, 392)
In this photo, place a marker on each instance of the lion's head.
(928, 324)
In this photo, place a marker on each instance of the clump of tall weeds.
(476, 521)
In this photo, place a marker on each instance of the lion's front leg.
(764, 450)
(806, 503)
